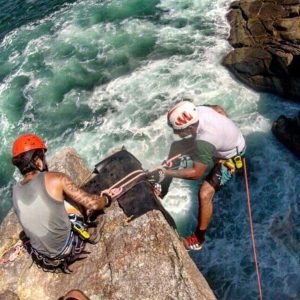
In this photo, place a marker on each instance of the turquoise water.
(98, 75)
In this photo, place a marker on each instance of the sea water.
(98, 75)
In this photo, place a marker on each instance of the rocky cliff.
(265, 35)
(143, 259)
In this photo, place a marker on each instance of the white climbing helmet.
(182, 115)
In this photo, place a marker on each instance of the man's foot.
(193, 243)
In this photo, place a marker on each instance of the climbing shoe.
(193, 243)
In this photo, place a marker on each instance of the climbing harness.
(72, 250)
(81, 231)
(79, 226)
(238, 158)
(60, 263)
(229, 164)
(232, 164)
(238, 161)
(252, 231)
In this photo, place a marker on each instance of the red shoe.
(193, 243)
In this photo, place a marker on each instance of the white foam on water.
(131, 110)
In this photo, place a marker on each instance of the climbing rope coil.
(15, 251)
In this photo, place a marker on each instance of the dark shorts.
(221, 174)
(218, 176)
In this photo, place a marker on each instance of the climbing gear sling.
(234, 163)
(60, 263)
(72, 250)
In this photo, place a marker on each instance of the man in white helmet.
(217, 144)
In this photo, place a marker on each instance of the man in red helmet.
(215, 144)
(38, 201)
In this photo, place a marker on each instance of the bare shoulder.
(56, 178)
(54, 184)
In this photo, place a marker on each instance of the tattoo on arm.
(89, 201)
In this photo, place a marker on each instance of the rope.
(117, 189)
(252, 231)
(169, 162)
(18, 247)
(139, 172)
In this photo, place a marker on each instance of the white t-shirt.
(219, 131)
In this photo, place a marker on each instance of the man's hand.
(102, 199)
(107, 198)
(156, 176)
(191, 173)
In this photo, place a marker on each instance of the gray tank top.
(44, 220)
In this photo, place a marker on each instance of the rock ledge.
(142, 260)
(265, 36)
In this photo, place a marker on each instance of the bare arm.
(190, 173)
(89, 201)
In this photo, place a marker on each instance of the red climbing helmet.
(27, 142)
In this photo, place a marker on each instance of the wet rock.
(287, 130)
(143, 259)
(266, 39)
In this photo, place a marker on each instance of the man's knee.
(206, 192)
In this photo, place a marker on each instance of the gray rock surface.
(265, 35)
(140, 260)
